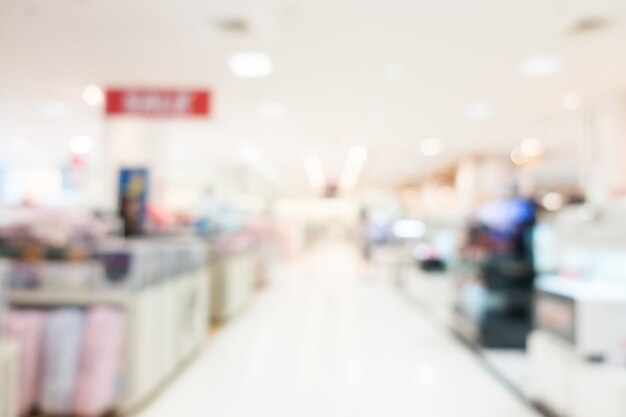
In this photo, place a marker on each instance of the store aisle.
(326, 340)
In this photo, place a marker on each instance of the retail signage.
(133, 198)
(158, 103)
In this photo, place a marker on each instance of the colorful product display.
(117, 264)
(70, 318)
(71, 360)
(99, 380)
(61, 351)
(26, 327)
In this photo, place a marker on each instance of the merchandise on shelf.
(99, 378)
(62, 353)
(116, 264)
(75, 294)
(26, 327)
(71, 359)
(34, 234)
(495, 294)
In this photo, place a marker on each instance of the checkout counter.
(576, 352)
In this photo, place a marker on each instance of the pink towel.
(101, 364)
(26, 328)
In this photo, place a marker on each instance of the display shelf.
(8, 379)
(166, 326)
(233, 280)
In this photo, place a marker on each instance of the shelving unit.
(233, 279)
(166, 326)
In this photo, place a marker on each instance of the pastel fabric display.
(100, 371)
(26, 327)
(62, 353)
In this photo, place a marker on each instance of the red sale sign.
(157, 103)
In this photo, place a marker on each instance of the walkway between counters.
(327, 339)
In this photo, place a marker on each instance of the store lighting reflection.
(409, 229)
(81, 145)
(352, 170)
(552, 201)
(532, 147)
(251, 64)
(93, 95)
(479, 110)
(273, 110)
(357, 155)
(315, 173)
(431, 147)
(540, 66)
(518, 157)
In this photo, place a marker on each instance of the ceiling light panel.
(252, 64)
(539, 66)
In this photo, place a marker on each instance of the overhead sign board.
(158, 103)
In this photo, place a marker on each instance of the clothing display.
(27, 328)
(62, 352)
(71, 318)
(100, 376)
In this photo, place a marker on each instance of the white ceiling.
(330, 58)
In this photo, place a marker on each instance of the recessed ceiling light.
(93, 95)
(315, 174)
(532, 147)
(357, 155)
(54, 109)
(251, 64)
(518, 157)
(312, 163)
(251, 154)
(409, 229)
(81, 145)
(479, 110)
(540, 66)
(572, 101)
(394, 71)
(431, 147)
(552, 201)
(273, 110)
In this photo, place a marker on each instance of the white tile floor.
(326, 340)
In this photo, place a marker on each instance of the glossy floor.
(330, 338)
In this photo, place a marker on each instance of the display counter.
(578, 323)
(234, 275)
(111, 341)
(587, 313)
